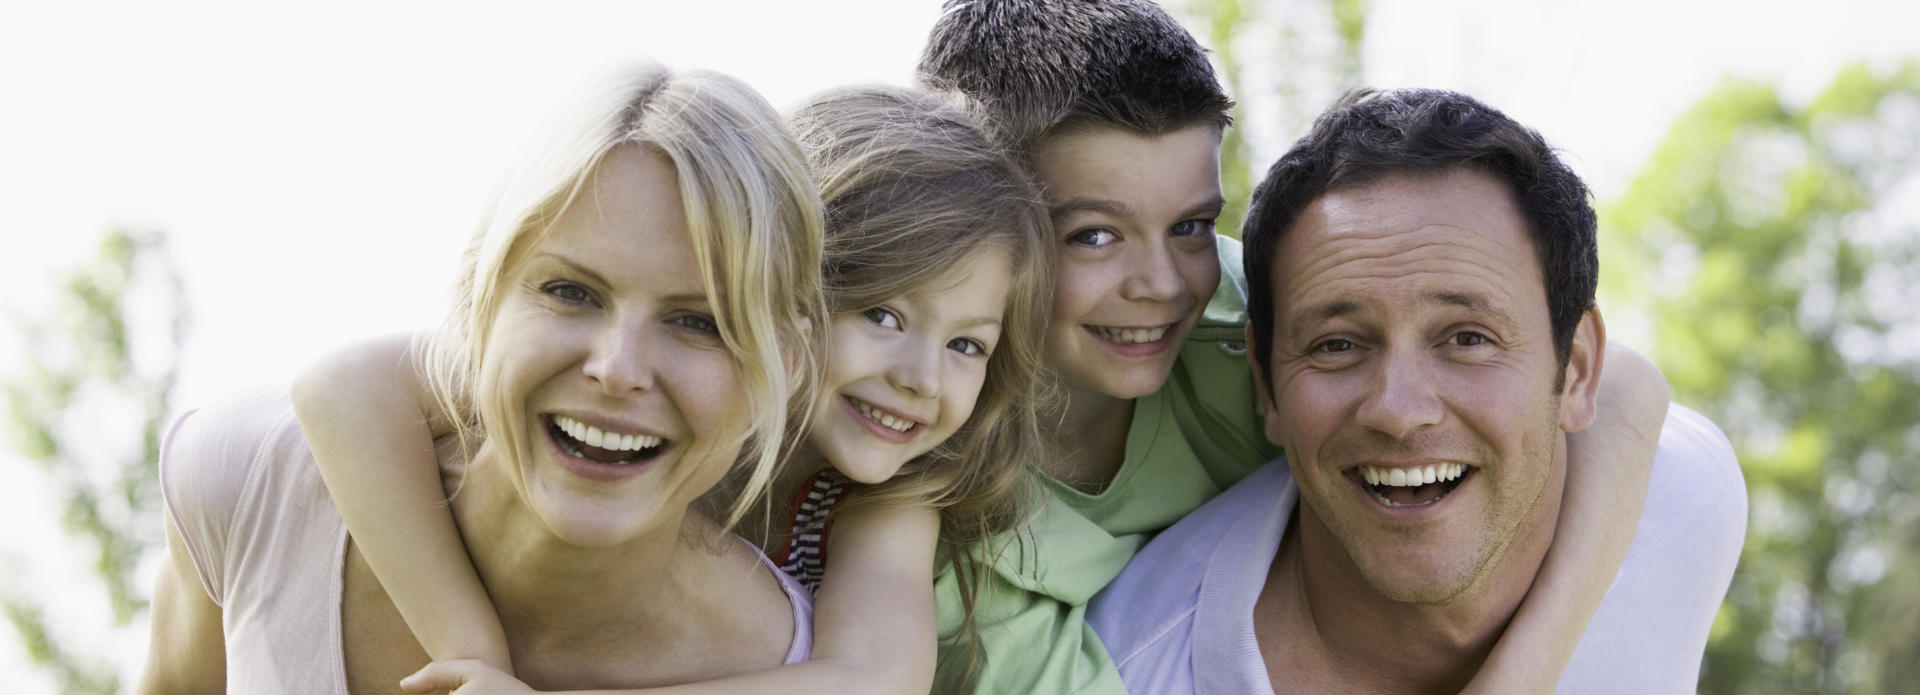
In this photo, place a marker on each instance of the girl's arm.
(873, 626)
(1608, 465)
(371, 422)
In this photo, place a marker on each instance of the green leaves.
(1760, 238)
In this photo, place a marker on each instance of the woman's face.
(903, 376)
(605, 354)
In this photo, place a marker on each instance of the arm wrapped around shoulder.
(1651, 630)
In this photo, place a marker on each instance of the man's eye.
(1093, 237)
(1334, 345)
(882, 317)
(567, 292)
(1192, 228)
(1468, 339)
(967, 346)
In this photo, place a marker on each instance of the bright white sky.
(318, 166)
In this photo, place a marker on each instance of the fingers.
(441, 675)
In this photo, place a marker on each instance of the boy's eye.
(967, 346)
(567, 292)
(883, 317)
(698, 322)
(1093, 238)
(1192, 228)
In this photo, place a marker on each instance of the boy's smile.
(1134, 218)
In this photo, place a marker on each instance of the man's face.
(1133, 216)
(1415, 381)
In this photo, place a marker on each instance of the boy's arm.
(873, 628)
(367, 414)
(1608, 465)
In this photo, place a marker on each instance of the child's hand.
(464, 677)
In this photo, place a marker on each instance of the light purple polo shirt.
(1179, 618)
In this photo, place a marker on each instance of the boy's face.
(1133, 215)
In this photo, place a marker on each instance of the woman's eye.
(567, 292)
(1192, 228)
(967, 346)
(883, 317)
(698, 322)
(1093, 238)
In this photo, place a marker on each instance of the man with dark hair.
(1422, 273)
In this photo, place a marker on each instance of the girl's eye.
(1333, 346)
(882, 317)
(1094, 237)
(1192, 228)
(1468, 339)
(567, 292)
(698, 322)
(967, 346)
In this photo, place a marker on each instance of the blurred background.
(199, 198)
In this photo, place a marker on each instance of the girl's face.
(1133, 215)
(903, 376)
(605, 352)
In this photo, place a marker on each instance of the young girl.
(936, 277)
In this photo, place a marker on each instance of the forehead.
(1108, 164)
(1406, 237)
(628, 221)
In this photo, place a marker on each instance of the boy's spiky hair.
(1045, 66)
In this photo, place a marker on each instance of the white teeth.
(876, 415)
(612, 441)
(1412, 477)
(1131, 335)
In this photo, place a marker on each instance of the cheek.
(1308, 409)
(1079, 287)
(709, 391)
(1201, 272)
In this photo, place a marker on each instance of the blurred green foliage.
(1775, 246)
(107, 349)
(1222, 26)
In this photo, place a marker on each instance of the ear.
(1582, 377)
(1263, 387)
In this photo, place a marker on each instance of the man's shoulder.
(1697, 483)
(1148, 611)
(1660, 608)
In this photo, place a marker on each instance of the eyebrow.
(1474, 303)
(597, 279)
(1210, 206)
(1315, 315)
(1072, 206)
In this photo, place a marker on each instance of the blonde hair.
(752, 216)
(913, 188)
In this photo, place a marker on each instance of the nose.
(1401, 397)
(617, 361)
(1155, 275)
(916, 369)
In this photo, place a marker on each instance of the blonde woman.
(651, 277)
(936, 274)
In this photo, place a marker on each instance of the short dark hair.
(1369, 134)
(1041, 67)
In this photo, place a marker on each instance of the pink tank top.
(241, 487)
